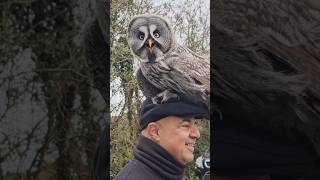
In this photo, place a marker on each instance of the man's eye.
(186, 125)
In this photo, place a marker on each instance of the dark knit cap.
(182, 108)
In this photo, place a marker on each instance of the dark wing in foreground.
(272, 82)
(289, 29)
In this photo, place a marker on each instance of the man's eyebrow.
(189, 119)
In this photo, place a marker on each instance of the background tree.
(52, 114)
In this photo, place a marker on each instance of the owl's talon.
(166, 95)
(155, 100)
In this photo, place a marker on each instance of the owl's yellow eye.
(141, 36)
(156, 35)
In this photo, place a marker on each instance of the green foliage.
(121, 62)
(122, 145)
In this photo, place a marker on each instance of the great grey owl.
(165, 68)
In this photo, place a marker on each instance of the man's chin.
(189, 155)
(189, 158)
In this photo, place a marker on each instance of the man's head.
(173, 126)
(177, 135)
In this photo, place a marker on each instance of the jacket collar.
(158, 159)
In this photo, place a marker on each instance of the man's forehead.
(178, 119)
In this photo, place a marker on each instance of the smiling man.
(175, 134)
(167, 142)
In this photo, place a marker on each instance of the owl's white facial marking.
(152, 28)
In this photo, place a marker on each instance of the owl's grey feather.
(181, 72)
(167, 66)
(148, 89)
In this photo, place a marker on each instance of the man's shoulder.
(127, 171)
(135, 170)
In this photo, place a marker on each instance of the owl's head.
(149, 37)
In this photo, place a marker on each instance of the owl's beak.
(150, 43)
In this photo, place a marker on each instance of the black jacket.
(151, 162)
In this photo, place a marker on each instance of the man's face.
(178, 136)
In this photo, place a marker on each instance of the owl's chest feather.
(156, 73)
(161, 67)
(166, 73)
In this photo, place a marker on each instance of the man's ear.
(153, 131)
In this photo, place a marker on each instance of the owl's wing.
(283, 29)
(188, 75)
(291, 35)
(192, 65)
(147, 88)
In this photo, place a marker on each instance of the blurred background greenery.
(51, 114)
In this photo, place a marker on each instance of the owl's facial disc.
(149, 37)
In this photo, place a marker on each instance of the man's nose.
(195, 133)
